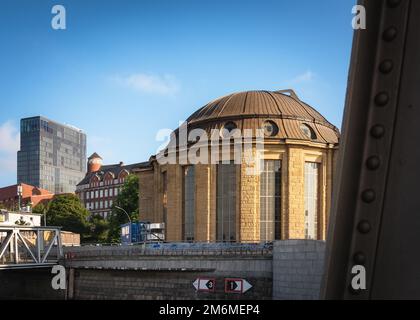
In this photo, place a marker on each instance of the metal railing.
(29, 247)
(169, 249)
(167, 242)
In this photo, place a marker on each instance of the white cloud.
(9, 138)
(147, 83)
(9, 145)
(304, 77)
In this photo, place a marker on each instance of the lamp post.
(44, 211)
(19, 193)
(129, 219)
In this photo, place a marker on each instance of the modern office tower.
(52, 156)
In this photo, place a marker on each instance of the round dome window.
(270, 128)
(308, 131)
(227, 129)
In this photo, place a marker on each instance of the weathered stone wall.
(298, 267)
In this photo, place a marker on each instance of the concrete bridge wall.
(133, 273)
(289, 270)
(298, 267)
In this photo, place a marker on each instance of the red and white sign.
(234, 285)
(205, 284)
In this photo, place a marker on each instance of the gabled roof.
(115, 169)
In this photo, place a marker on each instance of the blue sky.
(123, 70)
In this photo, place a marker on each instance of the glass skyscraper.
(52, 156)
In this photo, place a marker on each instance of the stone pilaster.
(174, 206)
(146, 195)
(296, 195)
(249, 211)
(202, 202)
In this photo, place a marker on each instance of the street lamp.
(129, 219)
(19, 193)
(44, 211)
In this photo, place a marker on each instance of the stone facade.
(293, 156)
(162, 185)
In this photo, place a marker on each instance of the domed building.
(284, 192)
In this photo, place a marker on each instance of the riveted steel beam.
(375, 218)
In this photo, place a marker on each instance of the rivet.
(368, 196)
(377, 131)
(373, 163)
(363, 227)
(359, 258)
(386, 66)
(381, 99)
(390, 34)
(393, 3)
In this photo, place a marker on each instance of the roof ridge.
(270, 93)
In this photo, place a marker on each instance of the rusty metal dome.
(251, 109)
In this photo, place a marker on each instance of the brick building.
(284, 192)
(30, 196)
(102, 184)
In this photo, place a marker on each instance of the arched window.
(270, 128)
(227, 128)
(308, 131)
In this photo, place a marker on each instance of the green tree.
(127, 199)
(40, 208)
(99, 228)
(67, 211)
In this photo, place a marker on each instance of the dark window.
(227, 129)
(270, 128)
(226, 202)
(189, 203)
(270, 200)
(308, 131)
